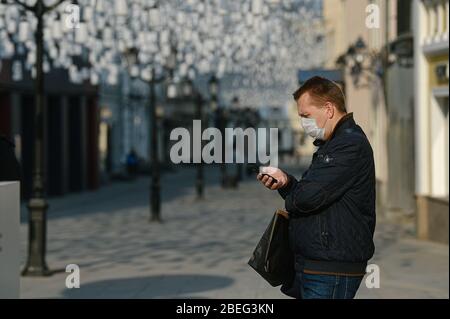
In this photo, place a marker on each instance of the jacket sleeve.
(287, 189)
(325, 182)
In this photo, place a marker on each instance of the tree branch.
(53, 7)
(23, 5)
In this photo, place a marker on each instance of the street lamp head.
(171, 91)
(351, 51)
(359, 58)
(341, 61)
(360, 44)
(213, 85)
(235, 102)
(171, 62)
(187, 88)
(402, 49)
(131, 56)
(159, 111)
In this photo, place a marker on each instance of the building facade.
(70, 130)
(345, 23)
(380, 96)
(124, 124)
(431, 21)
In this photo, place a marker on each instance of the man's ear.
(330, 109)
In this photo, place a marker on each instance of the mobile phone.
(255, 169)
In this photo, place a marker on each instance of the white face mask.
(312, 129)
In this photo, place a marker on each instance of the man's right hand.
(268, 175)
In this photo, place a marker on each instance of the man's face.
(309, 108)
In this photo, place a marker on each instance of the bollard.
(9, 240)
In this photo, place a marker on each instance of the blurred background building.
(431, 29)
(70, 133)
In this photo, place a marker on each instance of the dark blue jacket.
(332, 207)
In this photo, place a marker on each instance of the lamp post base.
(36, 265)
(156, 219)
(155, 200)
(31, 271)
(199, 190)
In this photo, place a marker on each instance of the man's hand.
(268, 174)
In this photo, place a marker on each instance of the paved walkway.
(202, 248)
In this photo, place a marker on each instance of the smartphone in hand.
(255, 169)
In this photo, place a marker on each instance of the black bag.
(273, 258)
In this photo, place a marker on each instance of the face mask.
(311, 128)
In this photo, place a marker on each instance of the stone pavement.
(202, 248)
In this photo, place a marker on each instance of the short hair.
(323, 90)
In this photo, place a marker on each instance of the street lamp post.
(36, 264)
(32, 15)
(155, 188)
(239, 122)
(374, 65)
(220, 122)
(200, 181)
(38, 205)
(196, 97)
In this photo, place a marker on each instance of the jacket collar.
(345, 122)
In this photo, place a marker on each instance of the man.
(332, 207)
(9, 167)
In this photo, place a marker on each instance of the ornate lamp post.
(199, 110)
(155, 188)
(36, 264)
(240, 121)
(61, 36)
(372, 64)
(220, 121)
(152, 80)
(190, 92)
